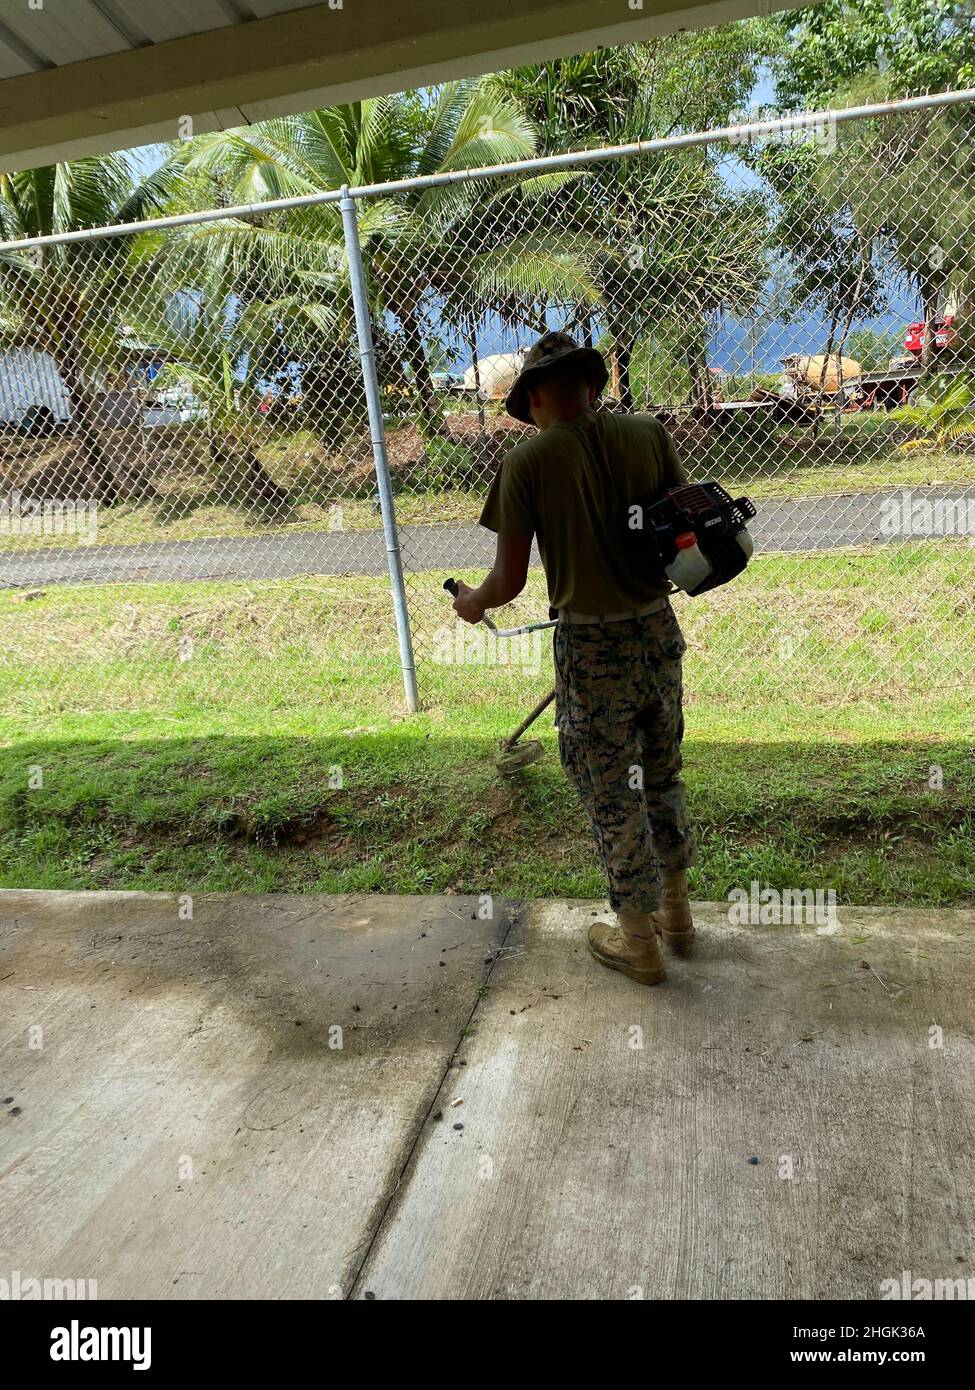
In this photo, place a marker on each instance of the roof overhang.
(100, 75)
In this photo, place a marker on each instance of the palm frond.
(552, 269)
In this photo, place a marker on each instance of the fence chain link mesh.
(189, 498)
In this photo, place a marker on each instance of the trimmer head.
(513, 757)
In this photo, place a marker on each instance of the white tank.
(690, 567)
(497, 374)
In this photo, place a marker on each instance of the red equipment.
(944, 335)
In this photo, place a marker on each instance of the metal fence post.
(367, 355)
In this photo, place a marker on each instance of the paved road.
(805, 523)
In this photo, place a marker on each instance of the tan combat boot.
(673, 918)
(631, 947)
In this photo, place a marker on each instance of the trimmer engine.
(701, 535)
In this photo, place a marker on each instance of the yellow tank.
(808, 370)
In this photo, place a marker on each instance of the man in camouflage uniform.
(580, 486)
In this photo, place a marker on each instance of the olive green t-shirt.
(574, 486)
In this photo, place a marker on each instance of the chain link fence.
(192, 412)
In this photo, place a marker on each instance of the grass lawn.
(253, 737)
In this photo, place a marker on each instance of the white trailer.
(30, 379)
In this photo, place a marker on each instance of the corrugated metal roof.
(69, 31)
(82, 77)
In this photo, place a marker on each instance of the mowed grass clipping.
(254, 737)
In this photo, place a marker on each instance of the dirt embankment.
(147, 464)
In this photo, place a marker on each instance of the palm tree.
(906, 185)
(943, 413)
(63, 300)
(409, 240)
(233, 300)
(669, 242)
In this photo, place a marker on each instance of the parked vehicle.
(175, 405)
(896, 384)
(448, 381)
(809, 379)
(943, 335)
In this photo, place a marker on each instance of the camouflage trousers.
(620, 721)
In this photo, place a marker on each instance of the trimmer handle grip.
(451, 586)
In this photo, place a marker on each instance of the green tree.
(900, 186)
(911, 46)
(942, 413)
(672, 245)
(409, 239)
(872, 348)
(64, 300)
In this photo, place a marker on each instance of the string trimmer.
(699, 539)
(513, 756)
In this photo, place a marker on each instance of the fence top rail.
(540, 164)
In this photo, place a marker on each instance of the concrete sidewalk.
(313, 1097)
